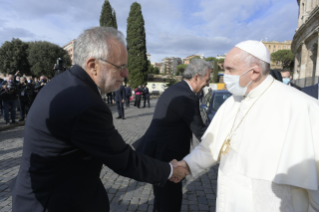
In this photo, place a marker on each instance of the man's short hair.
(196, 67)
(95, 42)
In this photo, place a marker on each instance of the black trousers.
(168, 198)
(24, 108)
(147, 99)
(120, 108)
(137, 101)
(109, 98)
(127, 101)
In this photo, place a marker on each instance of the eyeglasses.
(119, 67)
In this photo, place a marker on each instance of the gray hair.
(95, 42)
(196, 67)
(250, 60)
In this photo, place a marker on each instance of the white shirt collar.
(189, 85)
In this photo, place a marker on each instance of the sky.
(174, 28)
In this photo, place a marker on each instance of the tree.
(43, 55)
(107, 16)
(196, 57)
(13, 57)
(210, 59)
(221, 60)
(286, 57)
(181, 68)
(136, 43)
(114, 20)
(215, 72)
(156, 70)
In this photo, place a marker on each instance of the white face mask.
(232, 84)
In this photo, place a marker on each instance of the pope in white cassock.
(266, 138)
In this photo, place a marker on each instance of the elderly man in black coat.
(175, 120)
(69, 134)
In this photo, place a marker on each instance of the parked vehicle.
(211, 103)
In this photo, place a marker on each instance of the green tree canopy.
(196, 57)
(286, 57)
(181, 68)
(136, 43)
(108, 16)
(221, 60)
(114, 20)
(43, 55)
(215, 72)
(13, 57)
(210, 59)
(156, 70)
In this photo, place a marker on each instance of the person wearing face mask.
(43, 81)
(286, 78)
(176, 119)
(9, 98)
(265, 138)
(25, 96)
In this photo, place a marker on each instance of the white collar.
(189, 85)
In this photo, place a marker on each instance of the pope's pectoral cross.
(226, 146)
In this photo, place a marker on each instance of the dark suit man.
(146, 96)
(128, 91)
(119, 99)
(175, 120)
(69, 134)
(311, 91)
(286, 79)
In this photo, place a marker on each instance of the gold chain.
(230, 134)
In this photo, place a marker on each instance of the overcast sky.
(174, 28)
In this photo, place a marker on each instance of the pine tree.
(137, 58)
(106, 18)
(114, 19)
(215, 72)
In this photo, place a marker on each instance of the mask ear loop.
(246, 73)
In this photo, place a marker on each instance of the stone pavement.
(124, 194)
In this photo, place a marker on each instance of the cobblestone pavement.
(124, 194)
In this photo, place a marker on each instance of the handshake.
(180, 171)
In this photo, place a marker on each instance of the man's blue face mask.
(286, 80)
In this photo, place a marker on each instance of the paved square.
(124, 194)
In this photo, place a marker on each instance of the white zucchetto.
(256, 49)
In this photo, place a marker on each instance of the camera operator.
(43, 81)
(25, 96)
(9, 97)
(59, 67)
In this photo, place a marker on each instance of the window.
(284, 47)
(153, 86)
(278, 62)
(269, 46)
(274, 46)
(279, 47)
(274, 51)
(288, 47)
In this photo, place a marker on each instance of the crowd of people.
(17, 94)
(124, 96)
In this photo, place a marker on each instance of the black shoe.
(22, 119)
(119, 117)
(123, 118)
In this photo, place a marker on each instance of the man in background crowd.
(146, 96)
(25, 96)
(119, 99)
(286, 78)
(138, 92)
(128, 91)
(43, 81)
(8, 95)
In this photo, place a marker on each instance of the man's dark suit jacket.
(311, 90)
(69, 134)
(175, 119)
(120, 94)
(128, 91)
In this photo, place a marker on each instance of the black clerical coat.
(69, 134)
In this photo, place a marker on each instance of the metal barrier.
(305, 82)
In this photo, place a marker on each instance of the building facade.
(274, 46)
(187, 60)
(70, 49)
(305, 43)
(169, 65)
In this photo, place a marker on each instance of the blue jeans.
(12, 104)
